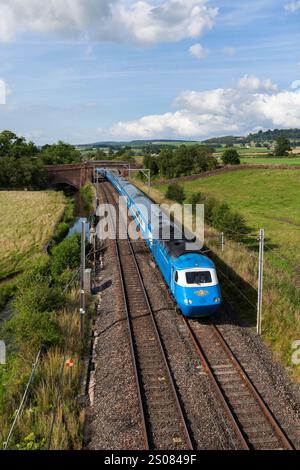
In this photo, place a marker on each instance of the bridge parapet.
(79, 174)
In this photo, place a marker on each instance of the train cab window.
(198, 277)
(176, 276)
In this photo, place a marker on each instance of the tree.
(164, 162)
(231, 157)
(151, 164)
(282, 147)
(21, 173)
(175, 192)
(60, 153)
(16, 147)
(183, 161)
(204, 160)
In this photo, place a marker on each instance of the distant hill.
(272, 135)
(137, 143)
(258, 137)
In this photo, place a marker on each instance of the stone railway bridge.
(78, 174)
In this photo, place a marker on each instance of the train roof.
(190, 260)
(175, 247)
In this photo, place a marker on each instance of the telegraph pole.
(82, 271)
(260, 281)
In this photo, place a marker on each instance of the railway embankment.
(43, 328)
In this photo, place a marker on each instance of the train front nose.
(201, 302)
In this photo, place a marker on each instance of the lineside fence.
(255, 274)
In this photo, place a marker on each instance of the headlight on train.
(188, 302)
(217, 300)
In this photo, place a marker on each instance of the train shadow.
(239, 305)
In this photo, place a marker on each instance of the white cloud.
(249, 104)
(198, 51)
(142, 21)
(295, 85)
(252, 83)
(293, 6)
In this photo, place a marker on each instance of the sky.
(91, 70)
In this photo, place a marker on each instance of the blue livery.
(191, 276)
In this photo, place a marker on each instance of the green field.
(271, 160)
(27, 221)
(246, 152)
(268, 199)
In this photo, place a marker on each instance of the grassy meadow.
(271, 160)
(246, 152)
(27, 222)
(267, 199)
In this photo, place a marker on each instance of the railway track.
(164, 424)
(252, 421)
(163, 421)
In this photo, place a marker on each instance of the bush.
(220, 213)
(33, 330)
(220, 216)
(231, 157)
(7, 291)
(231, 223)
(66, 255)
(235, 226)
(175, 192)
(61, 232)
(196, 198)
(210, 205)
(39, 297)
(282, 148)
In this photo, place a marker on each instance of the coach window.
(176, 276)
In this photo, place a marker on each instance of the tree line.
(187, 160)
(182, 161)
(21, 162)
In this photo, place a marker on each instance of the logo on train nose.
(201, 293)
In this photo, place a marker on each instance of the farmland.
(27, 221)
(267, 199)
(271, 160)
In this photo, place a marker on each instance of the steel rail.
(253, 390)
(233, 418)
(130, 329)
(207, 367)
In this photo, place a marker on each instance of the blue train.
(191, 276)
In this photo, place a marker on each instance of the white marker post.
(82, 271)
(222, 242)
(260, 281)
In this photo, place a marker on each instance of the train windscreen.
(198, 277)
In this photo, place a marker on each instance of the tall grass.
(45, 316)
(52, 401)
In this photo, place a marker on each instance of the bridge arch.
(64, 185)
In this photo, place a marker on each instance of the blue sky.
(106, 70)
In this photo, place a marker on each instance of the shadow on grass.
(239, 295)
